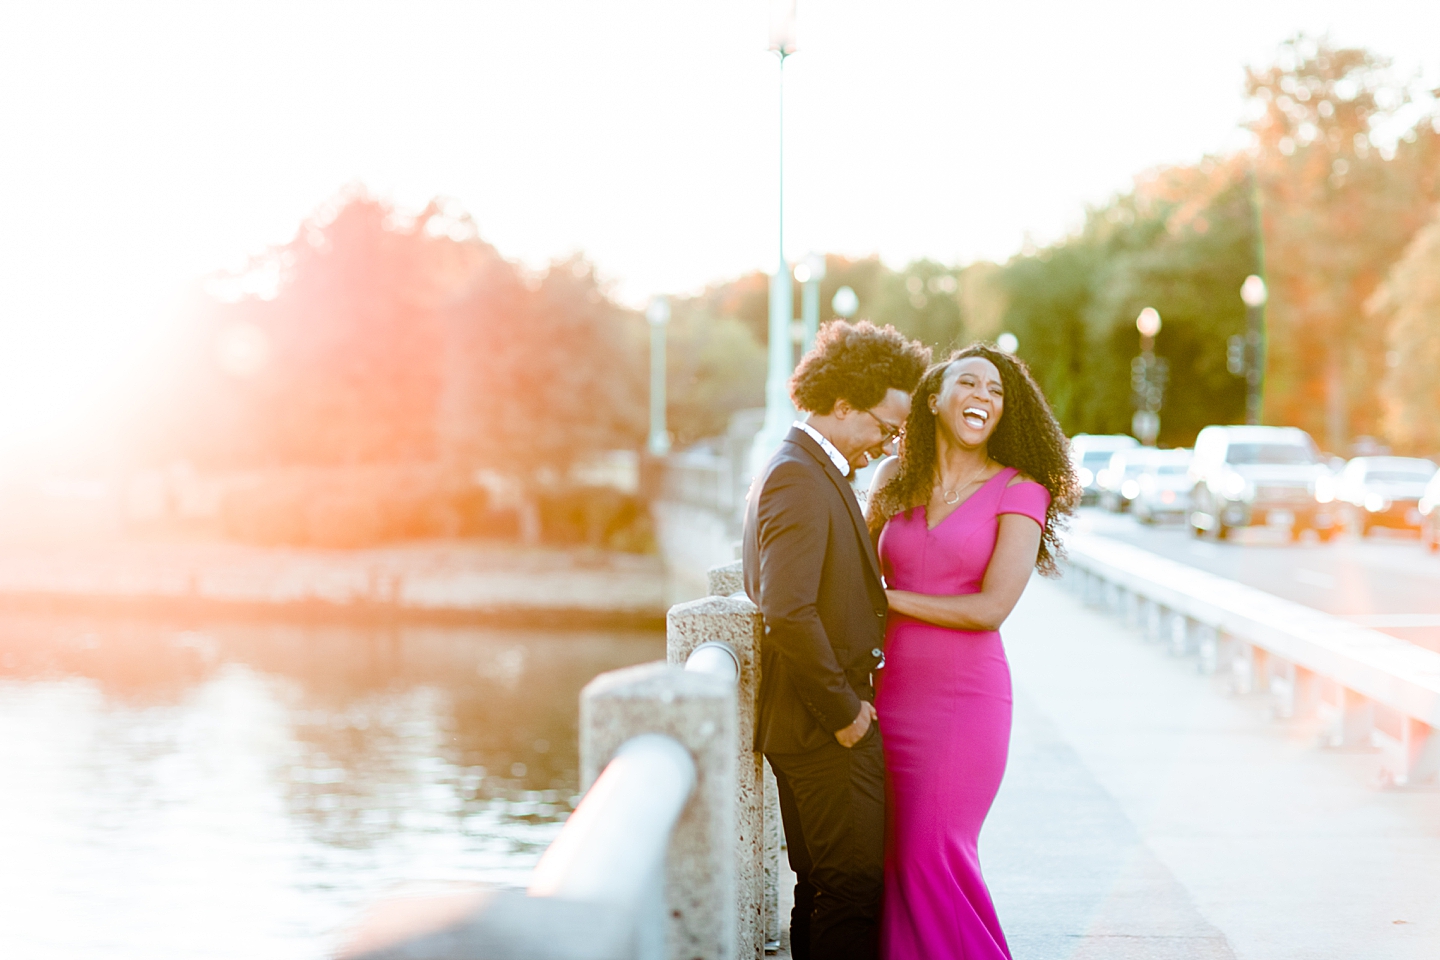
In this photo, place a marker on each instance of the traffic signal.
(1235, 355)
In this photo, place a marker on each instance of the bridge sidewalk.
(1148, 815)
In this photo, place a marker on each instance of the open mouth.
(975, 417)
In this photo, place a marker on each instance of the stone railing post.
(736, 621)
(698, 711)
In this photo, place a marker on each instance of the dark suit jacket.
(811, 569)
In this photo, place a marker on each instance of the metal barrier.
(1368, 688)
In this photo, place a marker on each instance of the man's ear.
(842, 409)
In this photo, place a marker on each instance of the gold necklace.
(953, 498)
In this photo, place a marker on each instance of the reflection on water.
(239, 791)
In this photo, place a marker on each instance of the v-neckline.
(961, 505)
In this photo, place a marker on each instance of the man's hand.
(851, 735)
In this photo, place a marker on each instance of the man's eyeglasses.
(888, 431)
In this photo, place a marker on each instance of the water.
(244, 790)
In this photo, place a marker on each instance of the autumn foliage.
(372, 367)
(1345, 169)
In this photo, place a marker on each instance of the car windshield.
(1170, 469)
(1095, 459)
(1398, 476)
(1283, 453)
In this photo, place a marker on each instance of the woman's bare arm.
(1016, 547)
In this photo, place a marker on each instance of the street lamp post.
(1254, 294)
(1148, 375)
(779, 412)
(810, 273)
(658, 314)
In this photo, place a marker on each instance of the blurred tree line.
(1323, 207)
(372, 372)
(398, 377)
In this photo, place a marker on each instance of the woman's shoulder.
(1025, 496)
(889, 468)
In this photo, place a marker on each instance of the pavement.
(1148, 814)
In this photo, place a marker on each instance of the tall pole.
(1255, 370)
(810, 273)
(659, 316)
(778, 409)
(1254, 295)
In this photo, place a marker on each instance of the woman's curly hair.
(857, 363)
(1027, 438)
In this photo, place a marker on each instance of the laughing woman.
(963, 516)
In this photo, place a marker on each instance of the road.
(1386, 581)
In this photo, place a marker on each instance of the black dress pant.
(832, 803)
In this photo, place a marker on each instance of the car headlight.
(1130, 489)
(1233, 486)
(1324, 490)
(1085, 477)
(1375, 503)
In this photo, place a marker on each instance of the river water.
(234, 791)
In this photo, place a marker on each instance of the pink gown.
(944, 705)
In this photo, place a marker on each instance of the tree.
(1181, 241)
(1408, 306)
(545, 374)
(1337, 212)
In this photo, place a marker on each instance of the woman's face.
(970, 401)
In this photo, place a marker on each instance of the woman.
(963, 515)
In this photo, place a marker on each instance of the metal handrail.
(715, 657)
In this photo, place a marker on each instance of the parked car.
(1429, 507)
(1119, 482)
(1090, 452)
(1162, 491)
(1384, 491)
(1253, 476)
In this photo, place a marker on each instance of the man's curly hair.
(1027, 437)
(857, 363)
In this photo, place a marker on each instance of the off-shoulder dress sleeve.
(1027, 498)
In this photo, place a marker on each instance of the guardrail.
(1368, 689)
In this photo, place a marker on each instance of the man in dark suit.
(811, 568)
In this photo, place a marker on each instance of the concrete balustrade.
(698, 711)
(644, 869)
(728, 580)
(1368, 689)
(729, 618)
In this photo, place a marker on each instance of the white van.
(1250, 476)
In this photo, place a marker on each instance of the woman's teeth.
(975, 417)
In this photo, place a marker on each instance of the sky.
(147, 146)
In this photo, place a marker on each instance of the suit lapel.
(842, 486)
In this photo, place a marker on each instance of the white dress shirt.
(836, 457)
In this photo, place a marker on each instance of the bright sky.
(149, 144)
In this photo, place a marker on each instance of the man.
(811, 568)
